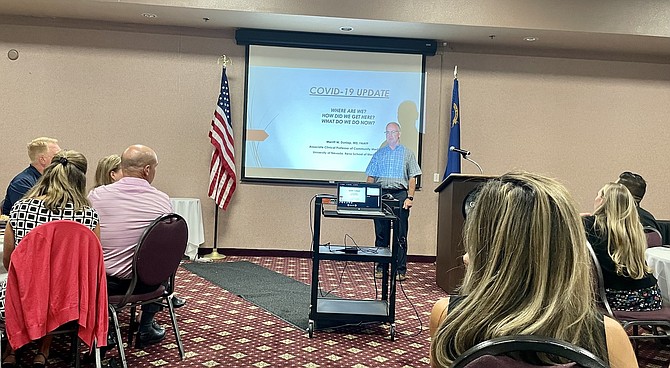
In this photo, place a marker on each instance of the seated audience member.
(615, 233)
(638, 187)
(127, 207)
(59, 194)
(108, 170)
(528, 273)
(41, 151)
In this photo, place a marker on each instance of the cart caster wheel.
(310, 329)
(392, 331)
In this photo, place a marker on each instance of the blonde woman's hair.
(103, 173)
(63, 182)
(529, 271)
(39, 146)
(617, 218)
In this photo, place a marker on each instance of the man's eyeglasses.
(390, 132)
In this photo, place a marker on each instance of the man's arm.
(15, 191)
(5, 207)
(410, 193)
(412, 186)
(13, 195)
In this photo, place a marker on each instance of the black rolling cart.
(348, 311)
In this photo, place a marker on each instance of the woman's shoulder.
(26, 204)
(88, 211)
(619, 349)
(589, 221)
(441, 305)
(438, 314)
(30, 200)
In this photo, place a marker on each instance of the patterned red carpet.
(221, 329)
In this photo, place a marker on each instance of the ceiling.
(589, 29)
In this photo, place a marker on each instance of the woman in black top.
(615, 233)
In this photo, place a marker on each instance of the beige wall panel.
(581, 121)
(99, 91)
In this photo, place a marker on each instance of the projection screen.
(315, 115)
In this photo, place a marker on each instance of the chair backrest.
(54, 263)
(488, 361)
(654, 238)
(599, 282)
(511, 344)
(160, 249)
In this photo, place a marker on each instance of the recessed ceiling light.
(149, 15)
(530, 39)
(346, 29)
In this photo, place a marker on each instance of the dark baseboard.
(289, 253)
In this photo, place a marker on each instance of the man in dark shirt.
(41, 151)
(637, 186)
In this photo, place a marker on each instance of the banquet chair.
(155, 262)
(654, 238)
(654, 320)
(493, 353)
(57, 285)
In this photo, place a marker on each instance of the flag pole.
(215, 255)
(215, 251)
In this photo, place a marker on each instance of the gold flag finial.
(223, 59)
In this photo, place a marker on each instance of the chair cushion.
(116, 299)
(660, 315)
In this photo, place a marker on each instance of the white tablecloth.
(191, 211)
(658, 258)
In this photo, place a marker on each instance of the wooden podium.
(450, 219)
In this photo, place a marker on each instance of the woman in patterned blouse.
(60, 194)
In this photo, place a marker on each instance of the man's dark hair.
(635, 184)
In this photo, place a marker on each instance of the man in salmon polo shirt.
(126, 208)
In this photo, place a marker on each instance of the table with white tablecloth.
(191, 211)
(658, 258)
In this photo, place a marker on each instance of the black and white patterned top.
(28, 213)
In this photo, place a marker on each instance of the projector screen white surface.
(319, 115)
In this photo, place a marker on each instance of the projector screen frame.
(316, 41)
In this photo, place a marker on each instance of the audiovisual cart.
(350, 311)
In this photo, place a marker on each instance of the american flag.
(222, 178)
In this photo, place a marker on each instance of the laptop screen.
(359, 196)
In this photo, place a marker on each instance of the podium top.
(462, 177)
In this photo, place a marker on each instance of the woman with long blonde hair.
(616, 235)
(528, 273)
(59, 194)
